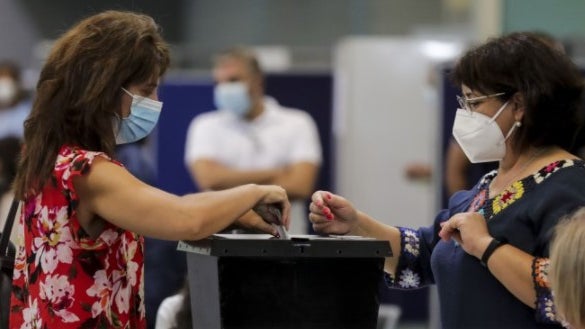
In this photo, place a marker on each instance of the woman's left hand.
(469, 229)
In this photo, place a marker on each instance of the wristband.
(494, 244)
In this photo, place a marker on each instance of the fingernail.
(329, 216)
(319, 204)
(328, 196)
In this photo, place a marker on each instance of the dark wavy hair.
(78, 92)
(547, 79)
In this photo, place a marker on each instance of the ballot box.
(258, 281)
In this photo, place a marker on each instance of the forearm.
(235, 178)
(217, 177)
(513, 268)
(210, 212)
(295, 189)
(298, 180)
(130, 204)
(369, 227)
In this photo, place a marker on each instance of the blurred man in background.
(253, 139)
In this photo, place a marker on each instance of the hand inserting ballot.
(272, 214)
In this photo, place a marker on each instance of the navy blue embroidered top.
(524, 215)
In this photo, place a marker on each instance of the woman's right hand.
(274, 194)
(332, 214)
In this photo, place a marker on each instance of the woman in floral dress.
(79, 262)
(488, 252)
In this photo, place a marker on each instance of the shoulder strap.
(5, 236)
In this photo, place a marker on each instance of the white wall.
(385, 120)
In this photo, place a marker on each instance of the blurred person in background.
(15, 104)
(175, 311)
(138, 159)
(251, 138)
(9, 152)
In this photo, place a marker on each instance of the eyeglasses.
(468, 103)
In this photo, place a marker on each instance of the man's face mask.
(232, 97)
(144, 114)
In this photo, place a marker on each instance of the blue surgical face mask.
(144, 114)
(232, 97)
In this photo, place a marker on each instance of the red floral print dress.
(63, 278)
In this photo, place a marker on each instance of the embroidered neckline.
(490, 207)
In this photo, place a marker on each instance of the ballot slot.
(266, 245)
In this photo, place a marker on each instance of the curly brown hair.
(78, 92)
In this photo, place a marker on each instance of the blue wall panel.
(184, 100)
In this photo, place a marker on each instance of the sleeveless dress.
(63, 278)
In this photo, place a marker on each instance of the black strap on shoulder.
(5, 237)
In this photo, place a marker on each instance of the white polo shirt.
(278, 137)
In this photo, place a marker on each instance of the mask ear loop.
(499, 111)
(517, 124)
(127, 92)
(134, 100)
